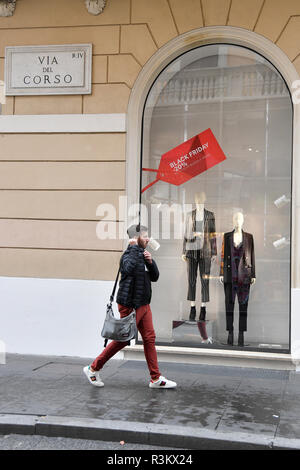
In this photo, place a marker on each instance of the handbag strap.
(114, 289)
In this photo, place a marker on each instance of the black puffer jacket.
(135, 283)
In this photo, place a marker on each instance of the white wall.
(64, 317)
(53, 316)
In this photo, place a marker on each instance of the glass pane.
(244, 101)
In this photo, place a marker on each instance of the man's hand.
(133, 241)
(148, 256)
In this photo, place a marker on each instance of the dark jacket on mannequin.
(136, 277)
(246, 268)
(190, 243)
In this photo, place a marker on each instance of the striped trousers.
(193, 265)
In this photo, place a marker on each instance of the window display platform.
(190, 334)
(238, 357)
(187, 334)
(201, 334)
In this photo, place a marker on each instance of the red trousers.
(145, 327)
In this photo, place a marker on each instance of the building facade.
(162, 72)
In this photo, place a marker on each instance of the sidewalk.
(213, 407)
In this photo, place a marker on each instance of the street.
(35, 442)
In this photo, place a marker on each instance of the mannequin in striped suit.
(199, 249)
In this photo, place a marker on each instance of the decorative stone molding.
(7, 7)
(95, 7)
(63, 123)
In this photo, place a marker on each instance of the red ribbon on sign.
(189, 159)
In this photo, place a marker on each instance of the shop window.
(241, 203)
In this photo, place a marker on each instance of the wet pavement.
(25, 442)
(215, 399)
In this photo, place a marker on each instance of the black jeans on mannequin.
(242, 293)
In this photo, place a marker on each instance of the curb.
(140, 433)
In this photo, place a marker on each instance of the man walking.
(138, 270)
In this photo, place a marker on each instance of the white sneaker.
(93, 377)
(162, 382)
(207, 341)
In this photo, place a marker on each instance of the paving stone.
(226, 401)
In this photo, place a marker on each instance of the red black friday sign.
(189, 159)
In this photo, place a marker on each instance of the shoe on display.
(162, 382)
(93, 377)
(192, 314)
(202, 314)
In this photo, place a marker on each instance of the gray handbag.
(119, 329)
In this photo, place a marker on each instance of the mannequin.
(199, 248)
(237, 274)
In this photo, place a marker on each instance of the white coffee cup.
(153, 244)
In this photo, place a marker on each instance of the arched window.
(244, 102)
